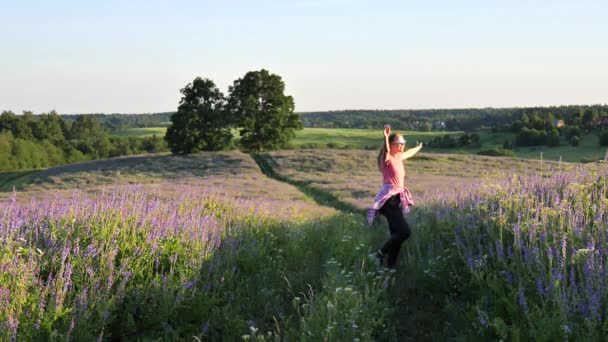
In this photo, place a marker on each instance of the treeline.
(31, 141)
(440, 119)
(115, 122)
(538, 128)
(468, 119)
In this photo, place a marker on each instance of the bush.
(312, 146)
(448, 142)
(573, 131)
(574, 140)
(475, 139)
(531, 137)
(497, 152)
(552, 140)
(604, 138)
(464, 140)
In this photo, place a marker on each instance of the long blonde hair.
(383, 151)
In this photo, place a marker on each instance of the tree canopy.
(200, 124)
(264, 114)
(31, 141)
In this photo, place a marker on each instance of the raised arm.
(411, 152)
(387, 145)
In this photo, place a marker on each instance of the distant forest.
(115, 122)
(29, 141)
(443, 119)
(404, 119)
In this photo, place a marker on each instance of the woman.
(394, 199)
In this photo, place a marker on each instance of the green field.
(367, 139)
(140, 132)
(354, 138)
(587, 151)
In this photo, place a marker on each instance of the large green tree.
(200, 124)
(18, 125)
(49, 127)
(89, 137)
(264, 114)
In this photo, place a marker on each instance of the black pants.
(400, 230)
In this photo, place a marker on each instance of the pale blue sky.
(134, 56)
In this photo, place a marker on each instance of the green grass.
(354, 138)
(588, 149)
(15, 180)
(140, 132)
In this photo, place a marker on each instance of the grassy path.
(321, 197)
(16, 179)
(416, 309)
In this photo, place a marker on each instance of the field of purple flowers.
(128, 264)
(519, 259)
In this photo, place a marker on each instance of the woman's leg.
(400, 231)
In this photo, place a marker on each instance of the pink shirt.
(393, 174)
(393, 171)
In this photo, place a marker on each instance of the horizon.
(134, 57)
(338, 110)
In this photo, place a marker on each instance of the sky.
(134, 56)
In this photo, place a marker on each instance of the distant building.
(604, 122)
(558, 123)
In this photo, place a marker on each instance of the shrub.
(573, 131)
(531, 137)
(475, 139)
(574, 140)
(552, 140)
(497, 152)
(604, 138)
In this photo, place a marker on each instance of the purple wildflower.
(522, 300)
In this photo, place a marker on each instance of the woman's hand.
(387, 130)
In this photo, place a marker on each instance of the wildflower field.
(167, 251)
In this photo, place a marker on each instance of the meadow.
(274, 246)
(141, 132)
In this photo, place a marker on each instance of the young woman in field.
(394, 199)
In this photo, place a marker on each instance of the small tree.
(465, 140)
(475, 139)
(86, 127)
(590, 118)
(200, 123)
(264, 114)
